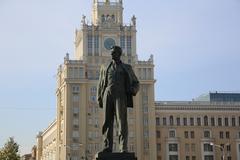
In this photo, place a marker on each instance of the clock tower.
(93, 41)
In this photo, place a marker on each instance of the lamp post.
(221, 148)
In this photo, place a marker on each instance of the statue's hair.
(117, 48)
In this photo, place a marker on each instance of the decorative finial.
(134, 20)
(83, 21)
(66, 58)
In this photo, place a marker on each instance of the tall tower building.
(79, 119)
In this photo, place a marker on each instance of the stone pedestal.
(115, 156)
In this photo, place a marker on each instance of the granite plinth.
(115, 156)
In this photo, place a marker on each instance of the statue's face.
(116, 54)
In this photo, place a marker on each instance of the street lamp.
(221, 148)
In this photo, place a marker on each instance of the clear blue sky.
(196, 48)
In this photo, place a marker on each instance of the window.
(184, 121)
(90, 45)
(206, 134)
(192, 134)
(90, 121)
(193, 147)
(233, 121)
(75, 121)
(226, 121)
(93, 89)
(122, 41)
(70, 74)
(75, 98)
(212, 121)
(75, 110)
(131, 134)
(173, 157)
(164, 121)
(74, 157)
(75, 126)
(158, 134)
(159, 158)
(158, 121)
(227, 135)
(146, 133)
(144, 73)
(103, 18)
(187, 158)
(205, 121)
(96, 45)
(229, 147)
(93, 98)
(221, 135)
(173, 147)
(207, 147)
(199, 121)
(75, 134)
(193, 157)
(178, 121)
(129, 45)
(131, 148)
(229, 158)
(81, 72)
(75, 89)
(145, 121)
(158, 147)
(186, 134)
(171, 120)
(219, 121)
(192, 121)
(146, 145)
(187, 148)
(208, 157)
(238, 135)
(172, 134)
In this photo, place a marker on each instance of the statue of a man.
(116, 88)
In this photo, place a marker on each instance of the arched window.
(205, 120)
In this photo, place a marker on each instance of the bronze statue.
(116, 88)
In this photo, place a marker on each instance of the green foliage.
(10, 150)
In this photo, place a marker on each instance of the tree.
(10, 150)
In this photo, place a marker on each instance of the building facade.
(198, 130)
(157, 130)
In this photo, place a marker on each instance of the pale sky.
(195, 43)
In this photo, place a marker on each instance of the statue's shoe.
(106, 150)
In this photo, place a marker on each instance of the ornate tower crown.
(107, 12)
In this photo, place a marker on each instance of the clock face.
(108, 43)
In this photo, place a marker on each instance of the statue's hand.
(133, 91)
(100, 103)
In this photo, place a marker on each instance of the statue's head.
(116, 52)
